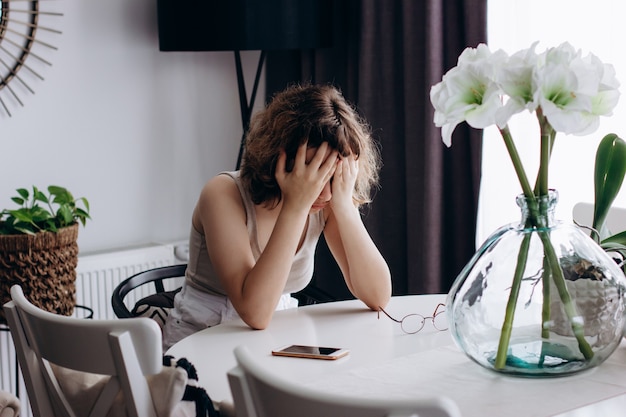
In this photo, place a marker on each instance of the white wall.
(595, 27)
(135, 130)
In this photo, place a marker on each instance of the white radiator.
(98, 274)
(96, 277)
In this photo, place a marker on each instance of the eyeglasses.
(413, 323)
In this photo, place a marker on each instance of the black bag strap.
(193, 392)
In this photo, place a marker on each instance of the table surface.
(385, 362)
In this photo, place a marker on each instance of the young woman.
(309, 164)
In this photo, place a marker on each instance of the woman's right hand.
(312, 169)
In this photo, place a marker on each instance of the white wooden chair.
(258, 393)
(582, 213)
(123, 352)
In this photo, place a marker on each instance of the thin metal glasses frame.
(413, 323)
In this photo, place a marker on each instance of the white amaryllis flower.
(489, 88)
(567, 92)
(574, 91)
(605, 101)
(516, 81)
(468, 92)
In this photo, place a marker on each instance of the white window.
(595, 26)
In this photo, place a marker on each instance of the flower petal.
(446, 133)
(468, 92)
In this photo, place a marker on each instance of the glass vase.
(539, 298)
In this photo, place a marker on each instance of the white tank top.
(202, 276)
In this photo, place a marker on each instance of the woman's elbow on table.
(374, 299)
(375, 304)
(256, 321)
(378, 298)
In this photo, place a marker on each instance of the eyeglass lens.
(413, 323)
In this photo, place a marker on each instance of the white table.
(386, 362)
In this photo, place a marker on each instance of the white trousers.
(195, 310)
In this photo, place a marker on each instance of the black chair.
(155, 306)
(312, 294)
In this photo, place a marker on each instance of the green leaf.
(18, 200)
(612, 246)
(22, 214)
(82, 215)
(50, 226)
(85, 203)
(39, 214)
(57, 190)
(610, 168)
(64, 214)
(23, 192)
(61, 195)
(25, 229)
(619, 238)
(39, 196)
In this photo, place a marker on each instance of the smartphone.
(311, 352)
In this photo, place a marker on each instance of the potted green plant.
(38, 247)
(609, 172)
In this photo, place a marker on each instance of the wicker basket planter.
(44, 265)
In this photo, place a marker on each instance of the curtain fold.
(385, 57)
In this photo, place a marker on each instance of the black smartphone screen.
(310, 350)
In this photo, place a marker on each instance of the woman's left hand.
(343, 182)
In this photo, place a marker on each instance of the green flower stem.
(559, 282)
(548, 135)
(545, 308)
(517, 162)
(507, 326)
(536, 219)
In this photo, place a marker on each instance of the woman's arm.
(364, 269)
(254, 288)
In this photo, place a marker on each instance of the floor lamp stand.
(246, 107)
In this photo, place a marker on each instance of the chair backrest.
(44, 340)
(312, 294)
(156, 276)
(259, 393)
(582, 213)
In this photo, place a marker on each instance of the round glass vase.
(539, 298)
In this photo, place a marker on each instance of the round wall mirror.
(23, 49)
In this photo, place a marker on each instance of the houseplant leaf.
(39, 196)
(619, 238)
(40, 212)
(23, 192)
(60, 195)
(610, 168)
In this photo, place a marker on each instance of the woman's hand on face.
(305, 182)
(343, 182)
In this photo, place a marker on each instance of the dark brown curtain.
(385, 57)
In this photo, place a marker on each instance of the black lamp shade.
(230, 25)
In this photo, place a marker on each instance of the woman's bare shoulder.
(220, 185)
(219, 194)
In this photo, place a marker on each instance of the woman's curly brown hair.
(301, 113)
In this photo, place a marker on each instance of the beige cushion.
(167, 388)
(9, 405)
